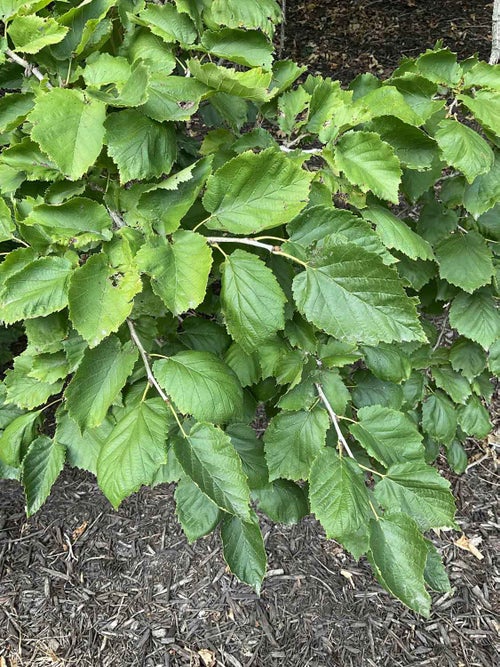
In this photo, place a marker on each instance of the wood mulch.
(81, 585)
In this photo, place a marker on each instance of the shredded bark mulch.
(85, 586)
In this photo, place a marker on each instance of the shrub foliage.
(192, 232)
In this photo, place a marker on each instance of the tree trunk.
(495, 34)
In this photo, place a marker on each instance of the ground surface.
(83, 585)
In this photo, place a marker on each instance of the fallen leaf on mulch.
(467, 544)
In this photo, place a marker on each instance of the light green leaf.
(18, 433)
(134, 450)
(467, 358)
(252, 300)
(251, 451)
(290, 105)
(40, 288)
(420, 93)
(485, 105)
(152, 51)
(99, 301)
(77, 221)
(434, 574)
(68, 126)
(86, 23)
(251, 85)
(31, 33)
(465, 261)
(476, 316)
(245, 366)
(484, 192)
(7, 226)
(339, 499)
(464, 149)
(453, 383)
(42, 464)
(140, 147)
(179, 268)
(388, 435)
(293, 440)
(27, 158)
(439, 418)
(245, 47)
(210, 460)
(387, 362)
(263, 14)
(440, 66)
(388, 101)
(369, 163)
(352, 295)
(98, 380)
(82, 450)
(398, 555)
(174, 98)
(26, 391)
(200, 384)
(197, 514)
(253, 192)
(244, 550)
(49, 367)
(474, 418)
(418, 490)
(169, 24)
(396, 234)
(283, 501)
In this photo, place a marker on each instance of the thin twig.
(273, 249)
(444, 326)
(334, 419)
(28, 67)
(149, 373)
(310, 151)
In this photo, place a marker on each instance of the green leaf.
(420, 93)
(434, 573)
(98, 380)
(68, 126)
(293, 440)
(253, 192)
(210, 460)
(27, 158)
(465, 261)
(467, 358)
(197, 514)
(439, 418)
(26, 391)
(49, 367)
(290, 105)
(485, 105)
(413, 147)
(476, 316)
(245, 366)
(316, 223)
(454, 384)
(200, 384)
(7, 226)
(493, 359)
(244, 550)
(440, 66)
(456, 457)
(134, 450)
(252, 300)
(179, 268)
(283, 501)
(174, 98)
(396, 234)
(251, 85)
(369, 163)
(334, 389)
(352, 295)
(100, 299)
(387, 362)
(398, 555)
(388, 101)
(263, 14)
(140, 147)
(13, 110)
(484, 192)
(388, 435)
(245, 47)
(40, 288)
(204, 335)
(370, 390)
(418, 490)
(32, 33)
(474, 418)
(464, 149)
(339, 499)
(169, 24)
(77, 221)
(82, 450)
(251, 451)
(42, 464)
(17, 434)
